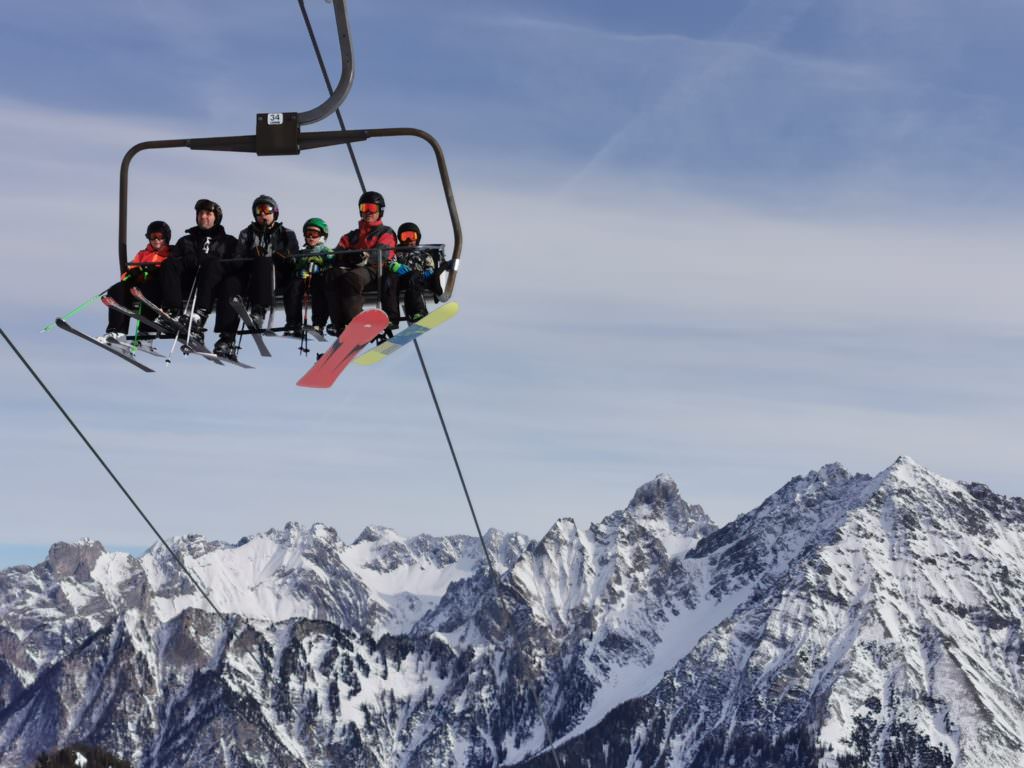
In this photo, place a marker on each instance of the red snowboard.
(364, 328)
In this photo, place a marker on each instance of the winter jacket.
(303, 267)
(256, 241)
(198, 246)
(150, 256)
(365, 238)
(138, 268)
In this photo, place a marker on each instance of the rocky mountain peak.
(74, 560)
(917, 500)
(660, 499)
(373, 533)
(907, 472)
(325, 534)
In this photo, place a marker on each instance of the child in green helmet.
(308, 277)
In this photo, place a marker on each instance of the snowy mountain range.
(848, 621)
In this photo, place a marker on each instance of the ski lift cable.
(117, 482)
(495, 578)
(327, 82)
(120, 485)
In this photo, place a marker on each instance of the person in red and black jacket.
(145, 271)
(372, 243)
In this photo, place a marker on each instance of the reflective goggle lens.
(369, 208)
(263, 210)
(408, 237)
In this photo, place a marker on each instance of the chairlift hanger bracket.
(280, 133)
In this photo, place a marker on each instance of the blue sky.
(730, 242)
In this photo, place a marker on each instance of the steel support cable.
(327, 82)
(117, 482)
(495, 578)
(173, 554)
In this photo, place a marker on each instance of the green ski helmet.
(317, 223)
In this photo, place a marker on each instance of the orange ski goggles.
(369, 208)
(408, 237)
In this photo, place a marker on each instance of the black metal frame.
(278, 133)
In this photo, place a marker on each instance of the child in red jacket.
(144, 271)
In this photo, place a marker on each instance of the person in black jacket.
(196, 260)
(263, 256)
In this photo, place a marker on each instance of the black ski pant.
(180, 278)
(295, 291)
(251, 279)
(345, 293)
(413, 284)
(157, 284)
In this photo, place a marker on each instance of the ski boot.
(225, 346)
(197, 320)
(147, 345)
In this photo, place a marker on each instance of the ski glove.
(427, 274)
(352, 259)
(399, 268)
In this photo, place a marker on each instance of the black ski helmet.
(209, 205)
(409, 227)
(161, 227)
(315, 223)
(265, 200)
(372, 197)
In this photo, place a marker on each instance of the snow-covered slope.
(881, 627)
(848, 621)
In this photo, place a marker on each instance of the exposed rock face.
(847, 621)
(73, 560)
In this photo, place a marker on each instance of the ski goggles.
(369, 208)
(155, 236)
(263, 210)
(313, 233)
(408, 237)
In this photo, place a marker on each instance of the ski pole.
(190, 303)
(73, 312)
